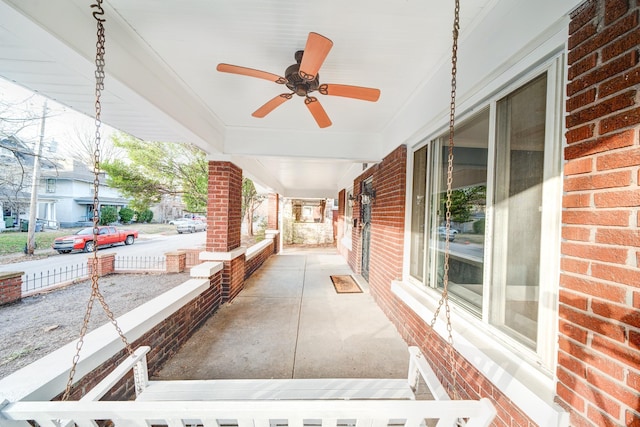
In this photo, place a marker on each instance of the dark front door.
(365, 210)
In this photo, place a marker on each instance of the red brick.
(612, 199)
(601, 109)
(611, 330)
(570, 298)
(572, 331)
(580, 234)
(601, 217)
(602, 73)
(614, 9)
(580, 67)
(620, 121)
(582, 16)
(580, 134)
(599, 145)
(623, 353)
(614, 293)
(607, 35)
(628, 276)
(622, 314)
(620, 82)
(632, 419)
(606, 365)
(572, 265)
(595, 252)
(589, 393)
(620, 159)
(616, 236)
(636, 299)
(602, 420)
(597, 181)
(633, 380)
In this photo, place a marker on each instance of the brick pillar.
(176, 261)
(106, 264)
(10, 287)
(273, 209)
(224, 208)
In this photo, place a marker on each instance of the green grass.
(12, 242)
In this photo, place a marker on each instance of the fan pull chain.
(95, 289)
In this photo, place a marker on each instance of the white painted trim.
(222, 256)
(206, 269)
(255, 250)
(47, 377)
(529, 389)
(347, 242)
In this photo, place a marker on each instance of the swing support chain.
(444, 299)
(98, 14)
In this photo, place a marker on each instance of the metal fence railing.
(138, 263)
(49, 278)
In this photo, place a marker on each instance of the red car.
(83, 239)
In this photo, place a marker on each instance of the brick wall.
(599, 357)
(386, 263)
(233, 278)
(224, 207)
(10, 287)
(165, 340)
(104, 263)
(253, 263)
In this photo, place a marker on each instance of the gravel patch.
(40, 324)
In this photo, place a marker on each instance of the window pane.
(418, 211)
(518, 201)
(468, 202)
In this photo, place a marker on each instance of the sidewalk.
(289, 322)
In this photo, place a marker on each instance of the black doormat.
(345, 285)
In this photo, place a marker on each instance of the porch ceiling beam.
(356, 147)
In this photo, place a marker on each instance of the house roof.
(161, 80)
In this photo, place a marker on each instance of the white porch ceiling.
(162, 84)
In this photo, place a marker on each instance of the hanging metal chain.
(444, 300)
(95, 289)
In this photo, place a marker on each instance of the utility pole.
(33, 206)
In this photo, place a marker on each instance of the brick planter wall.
(10, 287)
(176, 262)
(599, 357)
(253, 263)
(165, 340)
(106, 264)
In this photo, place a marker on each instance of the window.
(504, 212)
(51, 185)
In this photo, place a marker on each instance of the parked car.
(176, 221)
(442, 233)
(190, 226)
(82, 240)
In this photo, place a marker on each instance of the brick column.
(106, 264)
(10, 287)
(273, 211)
(176, 261)
(224, 208)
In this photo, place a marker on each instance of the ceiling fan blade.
(317, 111)
(236, 69)
(357, 92)
(315, 52)
(272, 105)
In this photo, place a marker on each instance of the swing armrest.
(137, 361)
(418, 366)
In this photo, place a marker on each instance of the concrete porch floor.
(289, 322)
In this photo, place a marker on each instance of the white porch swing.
(254, 403)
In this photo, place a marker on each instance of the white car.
(442, 233)
(190, 226)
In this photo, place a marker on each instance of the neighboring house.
(65, 190)
(65, 196)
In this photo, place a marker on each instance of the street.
(147, 245)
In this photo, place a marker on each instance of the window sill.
(530, 390)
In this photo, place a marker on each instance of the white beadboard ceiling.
(162, 83)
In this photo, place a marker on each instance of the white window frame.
(498, 356)
(347, 240)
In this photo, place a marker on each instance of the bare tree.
(81, 140)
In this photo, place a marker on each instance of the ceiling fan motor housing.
(296, 83)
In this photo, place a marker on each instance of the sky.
(60, 123)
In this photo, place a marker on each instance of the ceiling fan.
(302, 79)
